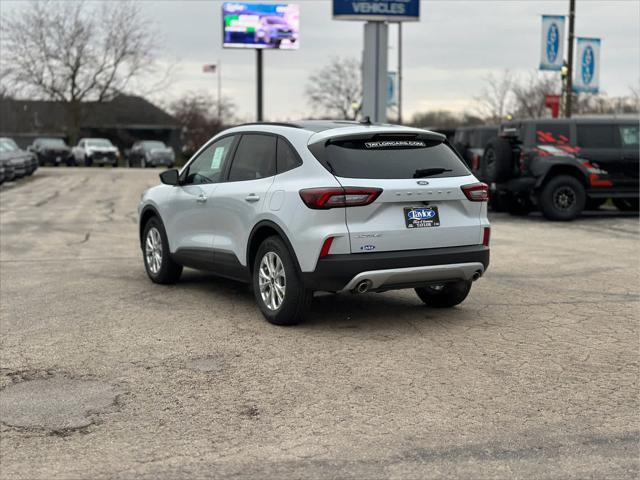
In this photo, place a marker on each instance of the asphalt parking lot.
(106, 375)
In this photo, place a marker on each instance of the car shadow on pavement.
(373, 311)
(587, 216)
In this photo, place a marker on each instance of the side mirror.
(170, 177)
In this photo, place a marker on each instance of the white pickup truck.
(99, 151)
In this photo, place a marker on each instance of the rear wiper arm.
(427, 172)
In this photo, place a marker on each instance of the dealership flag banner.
(552, 42)
(586, 72)
(392, 90)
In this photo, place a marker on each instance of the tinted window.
(255, 158)
(389, 159)
(596, 136)
(209, 165)
(480, 137)
(287, 158)
(552, 133)
(629, 136)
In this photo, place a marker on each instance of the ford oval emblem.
(423, 182)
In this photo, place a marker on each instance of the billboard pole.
(569, 83)
(219, 91)
(400, 73)
(374, 70)
(259, 82)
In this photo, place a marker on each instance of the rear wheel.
(562, 198)
(444, 296)
(277, 286)
(157, 258)
(626, 204)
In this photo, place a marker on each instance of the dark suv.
(469, 142)
(562, 166)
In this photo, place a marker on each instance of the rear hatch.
(422, 204)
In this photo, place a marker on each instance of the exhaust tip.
(477, 274)
(363, 286)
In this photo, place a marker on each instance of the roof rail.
(273, 124)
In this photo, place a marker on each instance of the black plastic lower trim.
(333, 272)
(219, 262)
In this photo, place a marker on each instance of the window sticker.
(218, 155)
(395, 143)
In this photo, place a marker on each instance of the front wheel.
(562, 198)
(444, 296)
(277, 286)
(157, 258)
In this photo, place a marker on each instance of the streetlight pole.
(569, 82)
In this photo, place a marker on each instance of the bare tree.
(496, 97)
(444, 119)
(198, 113)
(74, 52)
(529, 94)
(336, 89)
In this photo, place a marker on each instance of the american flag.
(211, 68)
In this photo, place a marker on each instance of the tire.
(444, 296)
(626, 204)
(562, 198)
(296, 298)
(496, 164)
(87, 161)
(166, 271)
(594, 203)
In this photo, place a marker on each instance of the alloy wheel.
(564, 198)
(272, 280)
(153, 250)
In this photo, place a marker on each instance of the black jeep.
(562, 166)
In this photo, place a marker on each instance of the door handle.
(252, 197)
(202, 198)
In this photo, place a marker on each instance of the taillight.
(476, 192)
(332, 197)
(486, 236)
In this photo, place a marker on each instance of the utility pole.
(569, 83)
(400, 73)
(259, 82)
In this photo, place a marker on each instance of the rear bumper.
(393, 270)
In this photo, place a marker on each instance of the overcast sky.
(446, 54)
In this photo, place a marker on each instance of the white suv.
(321, 206)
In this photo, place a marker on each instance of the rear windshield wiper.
(428, 172)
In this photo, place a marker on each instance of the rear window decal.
(396, 143)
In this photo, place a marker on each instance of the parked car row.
(101, 152)
(559, 166)
(14, 162)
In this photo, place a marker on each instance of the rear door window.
(596, 136)
(255, 158)
(551, 133)
(389, 159)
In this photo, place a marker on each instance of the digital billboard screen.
(260, 25)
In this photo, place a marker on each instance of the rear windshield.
(389, 158)
(52, 142)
